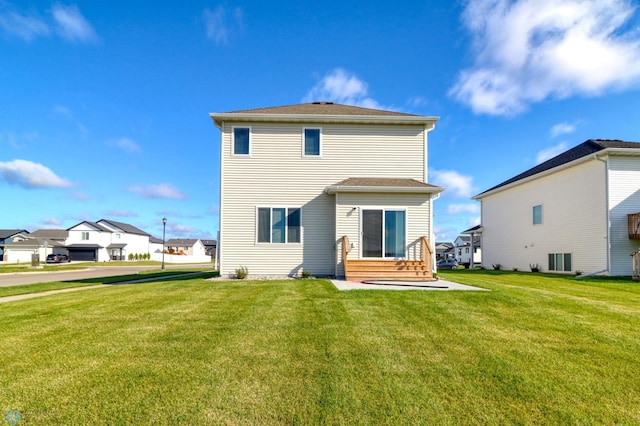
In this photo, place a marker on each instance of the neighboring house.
(186, 247)
(463, 249)
(210, 247)
(445, 250)
(105, 240)
(8, 236)
(22, 251)
(304, 187)
(57, 235)
(577, 212)
(155, 245)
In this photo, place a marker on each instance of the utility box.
(35, 259)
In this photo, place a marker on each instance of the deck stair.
(388, 269)
(394, 270)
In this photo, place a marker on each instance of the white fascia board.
(428, 122)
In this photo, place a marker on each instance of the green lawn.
(535, 350)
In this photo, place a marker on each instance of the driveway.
(22, 278)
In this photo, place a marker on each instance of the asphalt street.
(22, 278)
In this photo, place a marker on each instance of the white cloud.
(548, 153)
(181, 230)
(342, 87)
(463, 208)
(562, 129)
(163, 190)
(530, 50)
(127, 145)
(219, 27)
(51, 221)
(456, 185)
(31, 175)
(26, 27)
(71, 24)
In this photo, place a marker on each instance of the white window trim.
(319, 141)
(233, 141)
(406, 231)
(286, 228)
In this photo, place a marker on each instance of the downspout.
(606, 206)
(473, 235)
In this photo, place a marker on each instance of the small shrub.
(578, 272)
(534, 267)
(136, 257)
(496, 266)
(242, 272)
(305, 274)
(130, 257)
(515, 269)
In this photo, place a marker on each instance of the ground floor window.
(384, 233)
(560, 262)
(278, 225)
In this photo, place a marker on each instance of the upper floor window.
(537, 214)
(241, 145)
(85, 236)
(278, 225)
(311, 142)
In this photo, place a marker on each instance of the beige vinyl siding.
(624, 198)
(573, 221)
(348, 220)
(276, 174)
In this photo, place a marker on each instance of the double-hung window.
(241, 141)
(384, 233)
(278, 225)
(85, 236)
(311, 142)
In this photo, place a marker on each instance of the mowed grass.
(534, 350)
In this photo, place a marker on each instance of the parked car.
(447, 264)
(57, 258)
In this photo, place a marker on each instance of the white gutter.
(428, 122)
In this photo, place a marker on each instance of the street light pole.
(164, 225)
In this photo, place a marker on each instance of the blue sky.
(104, 105)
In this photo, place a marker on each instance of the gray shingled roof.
(382, 185)
(321, 108)
(584, 149)
(187, 242)
(7, 233)
(129, 229)
(59, 234)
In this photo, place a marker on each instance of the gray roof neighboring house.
(185, 242)
(322, 108)
(54, 234)
(92, 224)
(155, 240)
(34, 242)
(8, 233)
(589, 147)
(129, 229)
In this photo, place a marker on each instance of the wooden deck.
(388, 269)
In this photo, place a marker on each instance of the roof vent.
(322, 103)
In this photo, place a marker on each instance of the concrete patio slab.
(435, 285)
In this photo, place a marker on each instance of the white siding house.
(296, 179)
(568, 214)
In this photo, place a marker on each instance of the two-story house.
(576, 212)
(8, 236)
(328, 189)
(105, 240)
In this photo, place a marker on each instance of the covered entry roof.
(383, 185)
